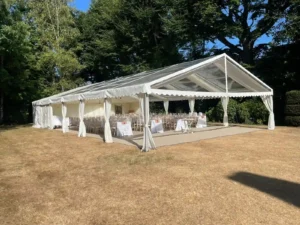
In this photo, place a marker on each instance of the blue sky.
(83, 5)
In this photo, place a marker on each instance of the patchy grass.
(50, 178)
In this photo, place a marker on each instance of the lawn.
(47, 177)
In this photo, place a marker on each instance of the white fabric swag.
(192, 105)
(166, 106)
(148, 142)
(268, 101)
(82, 128)
(225, 101)
(107, 132)
(36, 116)
(65, 127)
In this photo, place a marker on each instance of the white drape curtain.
(192, 105)
(107, 131)
(268, 101)
(36, 116)
(166, 106)
(225, 101)
(82, 128)
(65, 127)
(50, 117)
(148, 142)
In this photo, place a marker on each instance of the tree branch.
(229, 44)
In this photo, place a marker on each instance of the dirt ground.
(47, 177)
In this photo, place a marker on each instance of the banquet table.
(157, 126)
(57, 121)
(124, 129)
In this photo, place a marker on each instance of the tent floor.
(172, 137)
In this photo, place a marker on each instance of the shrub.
(292, 110)
(251, 111)
(292, 120)
(293, 97)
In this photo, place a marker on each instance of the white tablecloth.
(57, 121)
(181, 125)
(157, 126)
(124, 129)
(201, 122)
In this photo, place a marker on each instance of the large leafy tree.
(56, 45)
(123, 37)
(237, 24)
(16, 57)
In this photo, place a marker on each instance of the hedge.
(293, 97)
(292, 120)
(292, 110)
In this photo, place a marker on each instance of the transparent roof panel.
(207, 78)
(240, 81)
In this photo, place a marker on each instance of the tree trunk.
(247, 54)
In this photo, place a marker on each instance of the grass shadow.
(284, 190)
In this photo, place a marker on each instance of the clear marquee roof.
(212, 77)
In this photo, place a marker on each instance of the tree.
(237, 23)
(16, 81)
(56, 45)
(123, 37)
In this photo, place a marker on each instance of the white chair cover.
(157, 126)
(268, 101)
(82, 128)
(107, 131)
(148, 142)
(225, 101)
(181, 125)
(166, 106)
(201, 121)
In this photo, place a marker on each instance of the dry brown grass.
(50, 178)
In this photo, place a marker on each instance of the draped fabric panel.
(50, 117)
(225, 101)
(65, 127)
(148, 142)
(166, 106)
(36, 116)
(192, 105)
(107, 131)
(82, 128)
(268, 101)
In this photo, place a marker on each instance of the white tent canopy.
(213, 77)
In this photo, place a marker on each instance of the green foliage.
(293, 97)
(292, 121)
(125, 37)
(292, 108)
(250, 111)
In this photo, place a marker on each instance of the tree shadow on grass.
(285, 190)
(4, 128)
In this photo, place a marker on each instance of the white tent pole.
(226, 99)
(107, 131)
(65, 124)
(166, 106)
(148, 142)
(50, 117)
(192, 105)
(82, 128)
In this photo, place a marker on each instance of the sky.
(83, 5)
